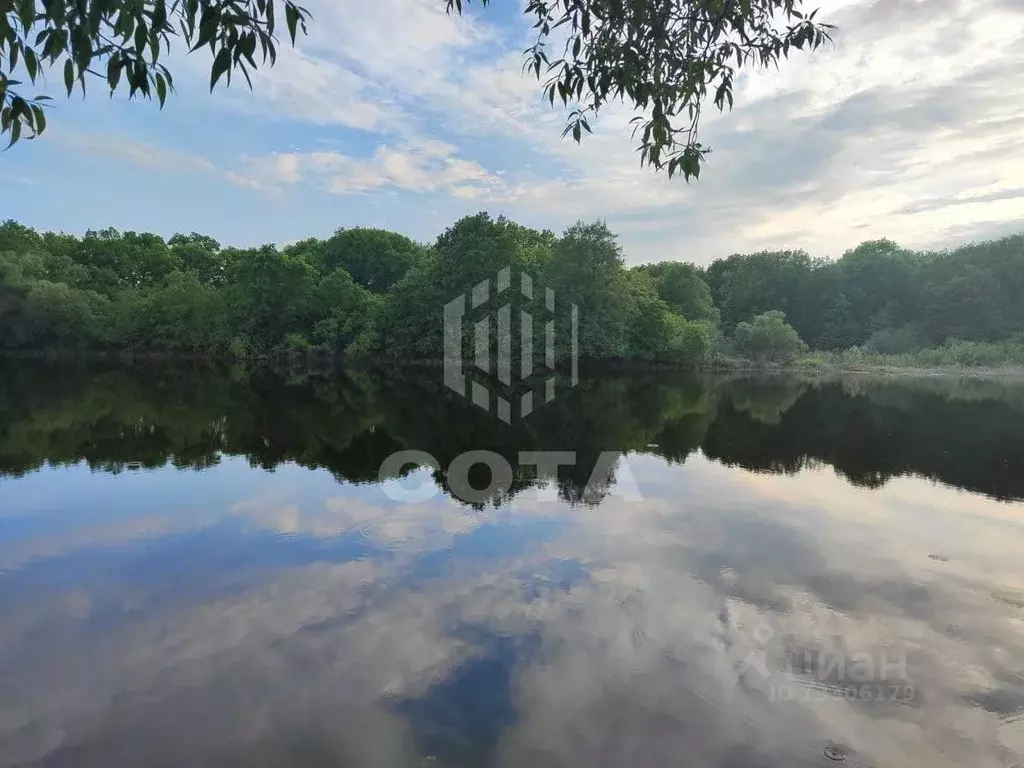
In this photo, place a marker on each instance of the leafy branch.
(122, 42)
(664, 57)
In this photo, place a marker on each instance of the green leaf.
(27, 15)
(159, 15)
(140, 38)
(40, 122)
(245, 73)
(161, 89)
(15, 133)
(291, 15)
(31, 63)
(52, 46)
(69, 75)
(221, 64)
(207, 29)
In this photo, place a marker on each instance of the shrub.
(895, 341)
(768, 338)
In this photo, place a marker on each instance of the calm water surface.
(205, 568)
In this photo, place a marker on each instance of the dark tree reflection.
(116, 417)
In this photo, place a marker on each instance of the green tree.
(17, 238)
(684, 290)
(41, 306)
(134, 292)
(345, 310)
(375, 258)
(182, 314)
(272, 296)
(202, 256)
(883, 284)
(666, 58)
(768, 338)
(119, 260)
(657, 333)
(58, 316)
(839, 330)
(586, 269)
(123, 43)
(791, 281)
(474, 249)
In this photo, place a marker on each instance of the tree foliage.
(377, 295)
(124, 43)
(665, 58)
(879, 291)
(768, 338)
(683, 288)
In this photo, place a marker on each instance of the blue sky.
(392, 114)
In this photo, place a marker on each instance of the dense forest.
(374, 294)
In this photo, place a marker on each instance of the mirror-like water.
(206, 567)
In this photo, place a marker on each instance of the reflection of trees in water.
(764, 399)
(113, 417)
(889, 430)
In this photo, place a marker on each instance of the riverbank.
(848, 361)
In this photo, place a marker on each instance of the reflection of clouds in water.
(833, 582)
(636, 661)
(423, 525)
(21, 552)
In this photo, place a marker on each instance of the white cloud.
(152, 156)
(420, 165)
(670, 599)
(911, 127)
(829, 150)
(286, 169)
(314, 90)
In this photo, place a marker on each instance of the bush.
(296, 342)
(239, 348)
(768, 338)
(955, 353)
(895, 341)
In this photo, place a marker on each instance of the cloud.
(910, 127)
(631, 619)
(419, 165)
(16, 179)
(159, 158)
(308, 89)
(832, 149)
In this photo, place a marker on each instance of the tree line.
(372, 294)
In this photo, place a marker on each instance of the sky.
(392, 114)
